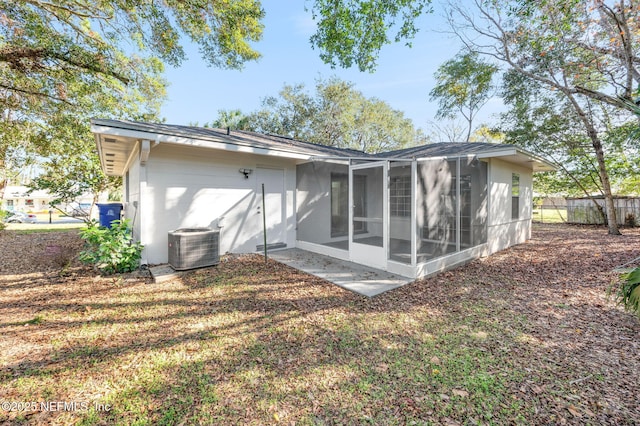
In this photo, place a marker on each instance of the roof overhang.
(121, 143)
(521, 158)
(118, 146)
(511, 155)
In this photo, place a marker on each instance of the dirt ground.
(582, 352)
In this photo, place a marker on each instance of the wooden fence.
(583, 211)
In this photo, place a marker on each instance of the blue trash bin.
(108, 213)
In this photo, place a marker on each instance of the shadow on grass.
(494, 341)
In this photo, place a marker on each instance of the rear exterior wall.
(195, 187)
(504, 230)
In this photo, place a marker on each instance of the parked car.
(20, 217)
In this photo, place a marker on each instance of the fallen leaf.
(480, 335)
(574, 411)
(382, 367)
(460, 392)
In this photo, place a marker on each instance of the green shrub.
(4, 214)
(111, 250)
(628, 291)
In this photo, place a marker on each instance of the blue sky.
(403, 78)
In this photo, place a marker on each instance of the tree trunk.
(611, 219)
(612, 222)
(469, 124)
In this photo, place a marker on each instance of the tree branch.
(40, 94)
(50, 7)
(503, 54)
(15, 56)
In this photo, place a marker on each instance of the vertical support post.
(458, 204)
(264, 224)
(50, 213)
(414, 215)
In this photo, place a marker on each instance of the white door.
(368, 224)
(274, 207)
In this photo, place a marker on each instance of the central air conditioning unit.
(191, 248)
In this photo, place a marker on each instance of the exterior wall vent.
(191, 248)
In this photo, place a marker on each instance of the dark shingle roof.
(239, 137)
(296, 147)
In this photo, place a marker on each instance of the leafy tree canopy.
(63, 62)
(336, 115)
(464, 84)
(543, 121)
(353, 31)
(586, 48)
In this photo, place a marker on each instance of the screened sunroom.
(408, 216)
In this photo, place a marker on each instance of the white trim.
(502, 153)
(145, 149)
(414, 214)
(178, 140)
(443, 263)
(401, 269)
(322, 249)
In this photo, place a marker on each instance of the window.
(515, 196)
(339, 204)
(28, 203)
(400, 195)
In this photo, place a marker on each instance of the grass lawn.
(527, 336)
(550, 215)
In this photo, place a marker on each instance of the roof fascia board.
(446, 157)
(501, 153)
(179, 140)
(520, 152)
(545, 163)
(345, 159)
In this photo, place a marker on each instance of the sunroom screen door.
(368, 227)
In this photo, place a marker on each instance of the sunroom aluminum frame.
(414, 268)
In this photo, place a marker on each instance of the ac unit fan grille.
(191, 248)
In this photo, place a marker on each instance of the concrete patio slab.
(348, 275)
(162, 273)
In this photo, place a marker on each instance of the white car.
(20, 217)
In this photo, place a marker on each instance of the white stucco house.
(21, 198)
(413, 212)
